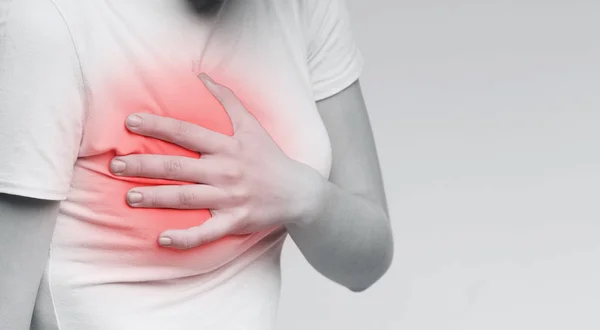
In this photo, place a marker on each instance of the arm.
(350, 241)
(341, 226)
(41, 111)
(26, 227)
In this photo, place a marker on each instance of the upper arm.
(26, 227)
(335, 63)
(41, 115)
(355, 164)
(41, 101)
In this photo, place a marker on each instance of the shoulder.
(33, 27)
(32, 17)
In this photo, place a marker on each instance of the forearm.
(26, 227)
(348, 239)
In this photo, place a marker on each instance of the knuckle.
(149, 198)
(234, 147)
(172, 168)
(244, 215)
(137, 166)
(231, 173)
(154, 199)
(182, 130)
(186, 198)
(239, 195)
(187, 239)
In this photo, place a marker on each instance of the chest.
(150, 62)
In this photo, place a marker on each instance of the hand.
(245, 180)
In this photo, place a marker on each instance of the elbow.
(376, 272)
(359, 289)
(367, 283)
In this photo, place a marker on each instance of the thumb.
(237, 112)
(210, 231)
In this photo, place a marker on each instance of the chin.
(204, 5)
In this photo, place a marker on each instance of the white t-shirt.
(70, 73)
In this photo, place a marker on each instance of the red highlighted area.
(100, 228)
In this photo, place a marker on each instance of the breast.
(97, 227)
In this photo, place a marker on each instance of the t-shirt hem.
(17, 189)
(341, 82)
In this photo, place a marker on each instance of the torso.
(106, 270)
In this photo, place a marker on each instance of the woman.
(176, 219)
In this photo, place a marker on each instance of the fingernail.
(165, 241)
(117, 166)
(134, 121)
(207, 78)
(134, 197)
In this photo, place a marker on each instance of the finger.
(210, 231)
(238, 114)
(184, 134)
(164, 167)
(185, 197)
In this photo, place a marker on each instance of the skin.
(341, 225)
(351, 241)
(26, 227)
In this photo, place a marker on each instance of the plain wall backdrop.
(486, 115)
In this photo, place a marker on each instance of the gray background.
(486, 116)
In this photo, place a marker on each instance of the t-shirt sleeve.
(42, 101)
(334, 60)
